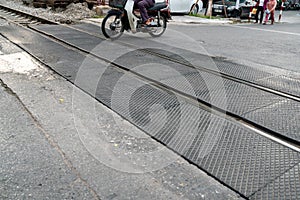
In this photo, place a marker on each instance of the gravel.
(71, 14)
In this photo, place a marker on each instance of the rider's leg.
(272, 17)
(143, 5)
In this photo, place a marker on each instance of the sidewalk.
(187, 19)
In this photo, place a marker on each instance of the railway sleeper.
(58, 3)
(39, 3)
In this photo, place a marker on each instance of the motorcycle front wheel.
(160, 26)
(112, 26)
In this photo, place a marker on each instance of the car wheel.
(90, 6)
(235, 13)
(194, 9)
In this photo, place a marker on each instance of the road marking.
(274, 31)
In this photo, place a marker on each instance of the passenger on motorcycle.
(143, 5)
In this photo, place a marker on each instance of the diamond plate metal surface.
(245, 161)
(241, 71)
(106, 85)
(240, 158)
(198, 84)
(198, 60)
(286, 186)
(160, 71)
(282, 117)
(140, 59)
(238, 98)
(184, 56)
(247, 73)
(235, 155)
(282, 83)
(242, 99)
(89, 27)
(73, 36)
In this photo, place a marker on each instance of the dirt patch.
(71, 14)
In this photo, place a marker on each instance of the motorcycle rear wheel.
(156, 31)
(112, 26)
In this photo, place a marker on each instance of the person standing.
(260, 10)
(143, 5)
(271, 5)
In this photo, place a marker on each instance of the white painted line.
(267, 30)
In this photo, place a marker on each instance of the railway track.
(230, 116)
(21, 17)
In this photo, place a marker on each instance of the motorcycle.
(123, 16)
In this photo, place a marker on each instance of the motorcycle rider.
(143, 5)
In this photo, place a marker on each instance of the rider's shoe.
(148, 22)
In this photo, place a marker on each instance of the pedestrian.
(260, 10)
(143, 5)
(271, 5)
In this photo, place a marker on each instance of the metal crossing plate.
(287, 84)
(288, 183)
(245, 161)
(240, 71)
(282, 117)
(239, 157)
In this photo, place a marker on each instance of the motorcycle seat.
(158, 6)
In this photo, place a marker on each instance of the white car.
(183, 6)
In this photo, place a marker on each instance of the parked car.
(242, 10)
(288, 5)
(184, 6)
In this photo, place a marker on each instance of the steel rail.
(217, 73)
(28, 16)
(274, 136)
